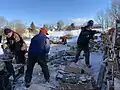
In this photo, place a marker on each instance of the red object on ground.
(63, 37)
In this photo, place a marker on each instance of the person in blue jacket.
(37, 53)
(83, 41)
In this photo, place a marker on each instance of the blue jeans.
(85, 48)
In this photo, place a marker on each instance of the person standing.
(37, 53)
(83, 42)
(17, 46)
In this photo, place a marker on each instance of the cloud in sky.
(80, 21)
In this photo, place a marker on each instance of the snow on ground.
(38, 78)
(56, 48)
(117, 84)
(95, 59)
(1, 51)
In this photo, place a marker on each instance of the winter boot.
(27, 84)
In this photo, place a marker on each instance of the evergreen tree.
(32, 27)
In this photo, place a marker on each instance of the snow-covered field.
(38, 79)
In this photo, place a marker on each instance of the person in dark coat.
(17, 46)
(83, 41)
(37, 53)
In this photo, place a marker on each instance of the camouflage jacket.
(16, 43)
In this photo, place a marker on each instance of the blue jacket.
(39, 45)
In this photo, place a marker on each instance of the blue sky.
(50, 11)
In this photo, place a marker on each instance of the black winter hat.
(90, 23)
(7, 30)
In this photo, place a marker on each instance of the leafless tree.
(3, 22)
(115, 11)
(100, 18)
(51, 27)
(104, 19)
(17, 26)
(107, 19)
(46, 26)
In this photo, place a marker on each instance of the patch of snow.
(95, 59)
(59, 47)
(73, 40)
(117, 84)
(61, 33)
(1, 51)
(38, 87)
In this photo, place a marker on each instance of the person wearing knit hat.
(90, 23)
(83, 42)
(8, 32)
(17, 46)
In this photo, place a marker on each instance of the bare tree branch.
(3, 21)
(18, 26)
(100, 18)
(115, 11)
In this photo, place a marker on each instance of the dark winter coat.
(39, 45)
(85, 36)
(16, 43)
